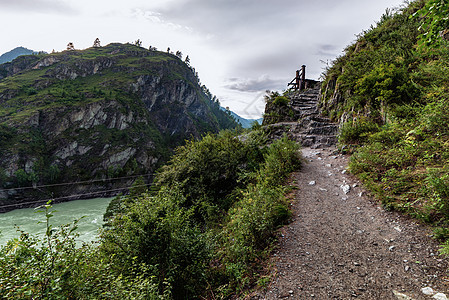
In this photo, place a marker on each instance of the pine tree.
(97, 43)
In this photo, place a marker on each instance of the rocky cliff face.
(95, 115)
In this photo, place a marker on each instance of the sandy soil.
(345, 246)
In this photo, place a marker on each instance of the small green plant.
(440, 190)
(357, 131)
(441, 233)
(39, 267)
(433, 20)
(281, 101)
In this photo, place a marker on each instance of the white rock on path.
(427, 291)
(346, 188)
(312, 183)
(439, 296)
(401, 296)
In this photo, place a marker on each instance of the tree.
(187, 60)
(138, 43)
(22, 178)
(168, 50)
(179, 54)
(70, 46)
(97, 43)
(151, 48)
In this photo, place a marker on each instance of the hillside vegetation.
(96, 114)
(390, 93)
(201, 232)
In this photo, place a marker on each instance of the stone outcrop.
(303, 122)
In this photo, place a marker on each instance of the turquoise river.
(28, 219)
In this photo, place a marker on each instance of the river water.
(28, 218)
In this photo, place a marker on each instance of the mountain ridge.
(100, 113)
(14, 53)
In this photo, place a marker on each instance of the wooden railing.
(299, 82)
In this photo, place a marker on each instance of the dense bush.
(281, 101)
(55, 267)
(200, 232)
(357, 131)
(158, 232)
(209, 170)
(217, 204)
(277, 109)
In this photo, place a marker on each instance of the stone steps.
(311, 129)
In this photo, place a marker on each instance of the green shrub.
(55, 267)
(22, 178)
(158, 232)
(433, 18)
(253, 220)
(388, 136)
(439, 184)
(281, 159)
(357, 131)
(178, 233)
(386, 85)
(281, 101)
(435, 118)
(209, 170)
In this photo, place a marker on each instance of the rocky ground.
(342, 245)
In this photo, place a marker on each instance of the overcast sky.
(240, 48)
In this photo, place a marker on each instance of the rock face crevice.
(303, 122)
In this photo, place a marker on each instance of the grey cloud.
(235, 19)
(255, 85)
(275, 60)
(328, 50)
(41, 6)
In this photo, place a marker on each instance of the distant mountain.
(14, 53)
(102, 113)
(246, 123)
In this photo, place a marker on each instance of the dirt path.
(344, 246)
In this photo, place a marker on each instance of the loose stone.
(346, 188)
(439, 296)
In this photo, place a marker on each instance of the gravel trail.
(342, 245)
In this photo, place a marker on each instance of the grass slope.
(390, 92)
